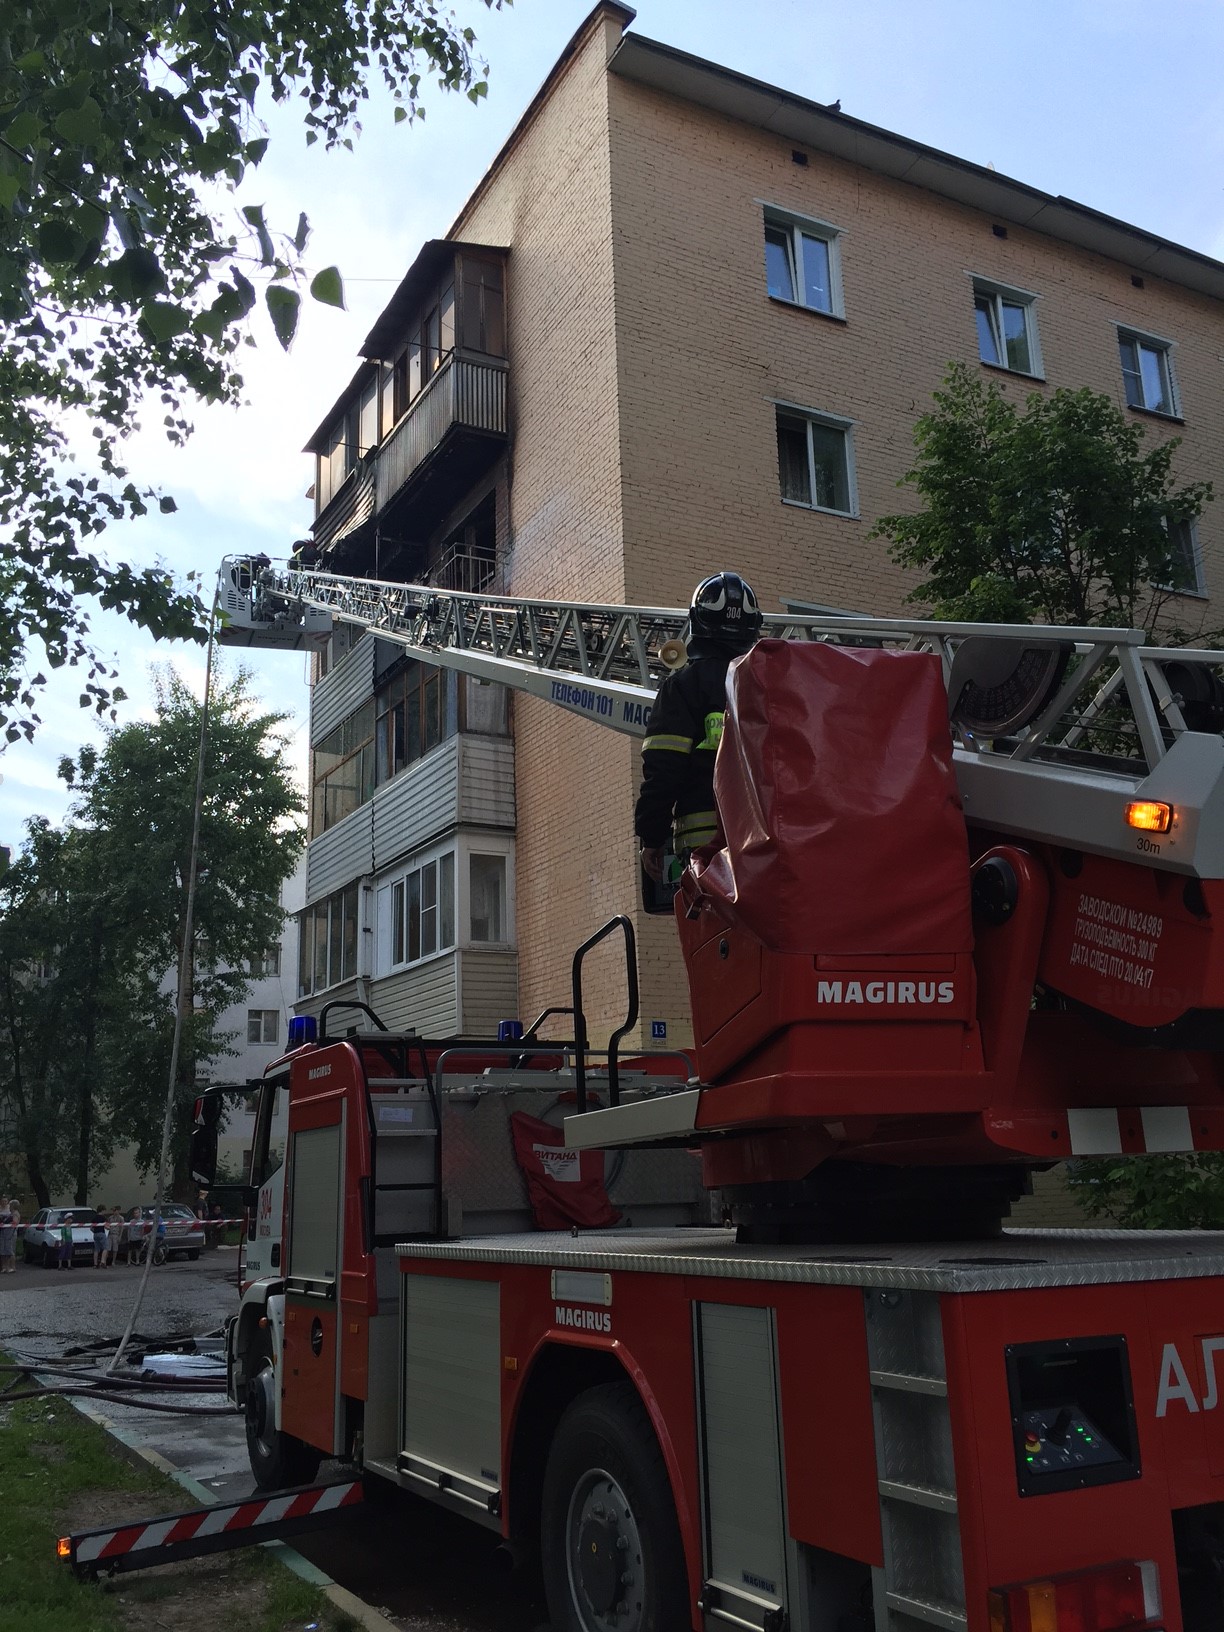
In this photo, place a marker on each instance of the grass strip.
(59, 1474)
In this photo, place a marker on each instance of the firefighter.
(685, 723)
(305, 556)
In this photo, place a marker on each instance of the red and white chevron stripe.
(225, 1519)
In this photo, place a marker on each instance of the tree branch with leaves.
(125, 126)
(1059, 511)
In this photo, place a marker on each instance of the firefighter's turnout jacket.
(682, 737)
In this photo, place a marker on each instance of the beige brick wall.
(549, 199)
(1052, 1205)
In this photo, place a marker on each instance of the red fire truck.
(774, 1364)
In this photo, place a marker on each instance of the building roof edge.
(811, 124)
(604, 8)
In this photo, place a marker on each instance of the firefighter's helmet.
(724, 609)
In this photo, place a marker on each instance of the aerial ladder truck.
(958, 925)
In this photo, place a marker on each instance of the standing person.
(135, 1236)
(15, 1212)
(65, 1244)
(114, 1230)
(685, 725)
(99, 1238)
(8, 1240)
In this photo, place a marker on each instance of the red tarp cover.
(839, 805)
(565, 1187)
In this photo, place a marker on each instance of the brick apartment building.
(686, 321)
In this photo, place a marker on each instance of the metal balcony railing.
(467, 393)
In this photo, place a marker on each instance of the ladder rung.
(899, 1490)
(923, 1609)
(909, 1382)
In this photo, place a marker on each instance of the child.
(65, 1245)
(114, 1230)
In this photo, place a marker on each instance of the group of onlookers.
(113, 1232)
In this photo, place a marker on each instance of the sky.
(1117, 104)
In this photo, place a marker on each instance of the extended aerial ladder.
(1086, 1011)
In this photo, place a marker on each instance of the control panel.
(1073, 1415)
(1062, 1438)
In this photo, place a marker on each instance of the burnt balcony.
(447, 439)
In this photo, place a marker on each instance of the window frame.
(1027, 300)
(778, 218)
(501, 849)
(318, 914)
(355, 756)
(461, 847)
(424, 693)
(258, 1019)
(1198, 589)
(830, 421)
(402, 889)
(1126, 332)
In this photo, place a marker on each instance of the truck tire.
(609, 1541)
(277, 1460)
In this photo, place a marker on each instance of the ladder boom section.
(1055, 728)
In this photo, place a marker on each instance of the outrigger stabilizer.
(220, 1528)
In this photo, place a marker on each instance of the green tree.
(1057, 512)
(135, 800)
(46, 958)
(1154, 1192)
(91, 919)
(128, 274)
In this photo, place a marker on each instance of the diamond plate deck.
(1016, 1260)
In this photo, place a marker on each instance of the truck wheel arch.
(556, 1374)
(254, 1309)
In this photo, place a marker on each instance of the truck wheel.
(277, 1460)
(609, 1541)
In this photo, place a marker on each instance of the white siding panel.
(417, 805)
(342, 854)
(487, 781)
(344, 689)
(422, 999)
(490, 992)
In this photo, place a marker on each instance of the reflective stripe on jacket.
(682, 735)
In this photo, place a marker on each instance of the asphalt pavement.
(426, 1569)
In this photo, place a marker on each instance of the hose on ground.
(170, 1385)
(122, 1399)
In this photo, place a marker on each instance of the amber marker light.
(64, 1547)
(1149, 815)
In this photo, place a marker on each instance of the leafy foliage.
(1057, 512)
(1154, 1192)
(91, 921)
(124, 126)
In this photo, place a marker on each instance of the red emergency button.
(1032, 1441)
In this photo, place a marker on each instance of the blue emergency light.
(303, 1028)
(509, 1031)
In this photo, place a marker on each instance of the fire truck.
(734, 1338)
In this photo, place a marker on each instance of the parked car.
(40, 1243)
(184, 1231)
